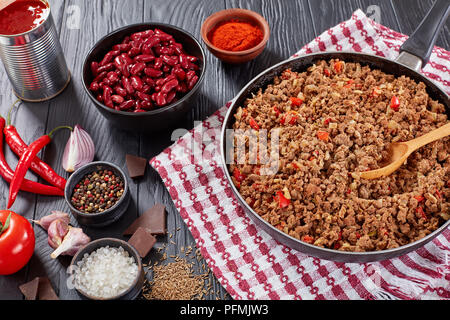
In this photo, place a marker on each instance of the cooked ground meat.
(335, 120)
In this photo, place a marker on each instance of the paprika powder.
(234, 35)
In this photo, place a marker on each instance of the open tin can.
(34, 61)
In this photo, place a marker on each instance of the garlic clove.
(79, 150)
(57, 230)
(46, 221)
(74, 240)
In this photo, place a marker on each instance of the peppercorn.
(97, 191)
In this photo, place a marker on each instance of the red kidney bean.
(127, 105)
(170, 96)
(100, 97)
(147, 105)
(112, 77)
(106, 67)
(179, 72)
(136, 82)
(144, 58)
(154, 73)
(160, 99)
(176, 49)
(109, 57)
(107, 92)
(157, 88)
(139, 110)
(192, 82)
(184, 62)
(182, 87)
(192, 66)
(117, 99)
(158, 63)
(94, 86)
(170, 60)
(94, 68)
(123, 47)
(191, 58)
(100, 77)
(190, 75)
(164, 36)
(149, 81)
(146, 49)
(152, 41)
(137, 68)
(126, 58)
(169, 86)
(126, 39)
(127, 85)
(134, 52)
(120, 91)
(143, 96)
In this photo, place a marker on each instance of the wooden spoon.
(400, 151)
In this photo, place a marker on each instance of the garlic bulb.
(79, 150)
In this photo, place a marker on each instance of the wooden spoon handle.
(431, 136)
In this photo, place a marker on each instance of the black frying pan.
(414, 54)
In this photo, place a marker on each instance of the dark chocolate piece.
(30, 289)
(136, 166)
(46, 291)
(153, 219)
(143, 241)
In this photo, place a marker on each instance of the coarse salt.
(106, 272)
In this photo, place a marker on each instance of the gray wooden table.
(81, 23)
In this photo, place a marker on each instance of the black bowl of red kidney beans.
(144, 77)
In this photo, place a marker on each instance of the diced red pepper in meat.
(295, 165)
(395, 103)
(291, 116)
(338, 66)
(238, 175)
(422, 213)
(327, 122)
(296, 101)
(375, 92)
(254, 124)
(337, 245)
(323, 135)
(419, 198)
(283, 202)
(438, 194)
(349, 83)
(308, 239)
(358, 235)
(277, 111)
(327, 72)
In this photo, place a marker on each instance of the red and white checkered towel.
(249, 263)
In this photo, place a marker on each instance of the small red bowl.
(245, 15)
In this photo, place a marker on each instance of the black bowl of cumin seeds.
(97, 194)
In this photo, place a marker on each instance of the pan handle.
(416, 51)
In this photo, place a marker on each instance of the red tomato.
(16, 243)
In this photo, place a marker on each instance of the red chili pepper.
(419, 198)
(395, 103)
(296, 101)
(27, 185)
(41, 168)
(283, 202)
(327, 72)
(327, 121)
(253, 124)
(358, 235)
(25, 162)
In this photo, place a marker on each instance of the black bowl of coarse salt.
(97, 194)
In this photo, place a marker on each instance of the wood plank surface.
(293, 24)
